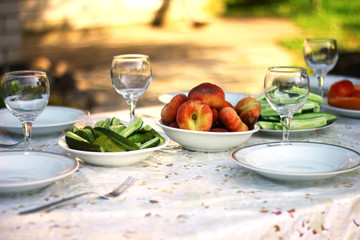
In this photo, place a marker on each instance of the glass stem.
(321, 85)
(27, 126)
(286, 127)
(132, 106)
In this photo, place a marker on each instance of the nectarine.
(169, 111)
(210, 93)
(231, 120)
(194, 115)
(343, 88)
(249, 110)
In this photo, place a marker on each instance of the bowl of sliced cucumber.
(111, 143)
(306, 119)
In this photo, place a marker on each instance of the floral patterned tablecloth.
(181, 194)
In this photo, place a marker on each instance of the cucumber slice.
(299, 124)
(115, 121)
(151, 143)
(330, 118)
(86, 134)
(99, 123)
(266, 125)
(146, 128)
(132, 128)
(117, 128)
(152, 131)
(140, 137)
(308, 107)
(128, 145)
(107, 123)
(108, 144)
(74, 141)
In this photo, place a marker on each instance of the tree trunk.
(159, 18)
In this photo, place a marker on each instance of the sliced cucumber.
(109, 144)
(86, 134)
(330, 118)
(128, 145)
(151, 143)
(74, 141)
(266, 125)
(140, 137)
(115, 121)
(117, 128)
(298, 124)
(132, 128)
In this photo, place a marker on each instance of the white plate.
(340, 111)
(53, 119)
(231, 97)
(297, 131)
(112, 159)
(329, 80)
(27, 171)
(297, 161)
(207, 141)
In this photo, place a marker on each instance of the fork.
(115, 193)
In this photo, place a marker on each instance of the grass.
(333, 19)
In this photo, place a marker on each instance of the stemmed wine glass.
(131, 75)
(286, 89)
(321, 55)
(26, 94)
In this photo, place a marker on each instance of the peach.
(227, 104)
(210, 93)
(169, 111)
(249, 110)
(174, 125)
(215, 117)
(231, 120)
(194, 115)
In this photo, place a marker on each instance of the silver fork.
(116, 192)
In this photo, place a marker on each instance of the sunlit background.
(226, 42)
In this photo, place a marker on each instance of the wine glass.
(131, 75)
(26, 94)
(321, 55)
(286, 89)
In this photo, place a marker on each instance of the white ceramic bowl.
(207, 141)
(112, 159)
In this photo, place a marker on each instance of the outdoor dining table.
(182, 194)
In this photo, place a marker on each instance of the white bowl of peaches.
(204, 121)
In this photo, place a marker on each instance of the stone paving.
(232, 53)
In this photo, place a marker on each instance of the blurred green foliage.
(317, 18)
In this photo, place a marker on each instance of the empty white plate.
(297, 161)
(53, 119)
(22, 171)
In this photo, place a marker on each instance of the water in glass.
(131, 76)
(26, 94)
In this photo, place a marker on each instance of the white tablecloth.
(181, 194)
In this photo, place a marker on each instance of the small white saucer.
(297, 161)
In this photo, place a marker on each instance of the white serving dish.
(207, 141)
(112, 159)
(54, 119)
(23, 171)
(297, 161)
